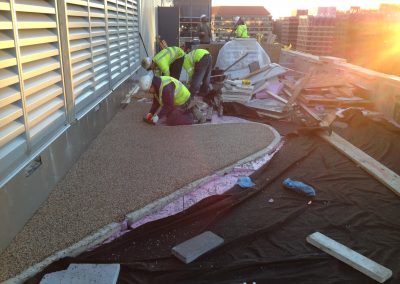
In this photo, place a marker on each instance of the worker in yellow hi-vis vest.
(167, 62)
(170, 100)
(240, 28)
(198, 64)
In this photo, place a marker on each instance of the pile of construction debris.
(276, 92)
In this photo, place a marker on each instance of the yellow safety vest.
(191, 58)
(165, 57)
(181, 93)
(241, 31)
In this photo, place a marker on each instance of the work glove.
(151, 119)
(148, 118)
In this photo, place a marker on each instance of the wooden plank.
(380, 172)
(350, 257)
(277, 97)
(383, 174)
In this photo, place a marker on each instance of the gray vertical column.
(63, 30)
(20, 74)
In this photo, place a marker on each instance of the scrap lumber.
(383, 174)
(314, 100)
(298, 87)
(373, 167)
(350, 257)
(325, 81)
(266, 68)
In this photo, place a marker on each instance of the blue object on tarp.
(245, 182)
(299, 187)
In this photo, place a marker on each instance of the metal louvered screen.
(31, 90)
(57, 59)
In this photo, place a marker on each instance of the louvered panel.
(39, 67)
(84, 89)
(77, 2)
(79, 24)
(10, 132)
(77, 11)
(47, 126)
(83, 77)
(9, 113)
(4, 5)
(81, 44)
(12, 128)
(133, 34)
(27, 37)
(43, 97)
(7, 59)
(8, 96)
(37, 115)
(81, 66)
(8, 77)
(6, 41)
(41, 82)
(40, 64)
(35, 6)
(37, 52)
(35, 21)
(5, 21)
(75, 34)
(81, 55)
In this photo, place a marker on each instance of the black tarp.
(265, 228)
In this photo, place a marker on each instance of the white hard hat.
(146, 62)
(145, 82)
(236, 19)
(203, 16)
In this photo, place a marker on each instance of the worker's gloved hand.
(148, 118)
(154, 119)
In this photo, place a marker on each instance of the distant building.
(369, 38)
(289, 28)
(316, 33)
(257, 18)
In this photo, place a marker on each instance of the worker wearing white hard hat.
(204, 30)
(170, 101)
(167, 62)
(240, 28)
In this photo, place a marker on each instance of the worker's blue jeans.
(180, 116)
(201, 76)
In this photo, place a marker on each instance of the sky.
(282, 8)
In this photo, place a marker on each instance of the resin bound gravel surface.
(129, 165)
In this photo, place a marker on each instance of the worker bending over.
(167, 62)
(241, 28)
(197, 64)
(170, 100)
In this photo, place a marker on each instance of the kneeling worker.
(167, 62)
(171, 100)
(198, 64)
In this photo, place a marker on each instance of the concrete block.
(84, 274)
(54, 278)
(195, 247)
(93, 273)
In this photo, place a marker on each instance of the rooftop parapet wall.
(385, 89)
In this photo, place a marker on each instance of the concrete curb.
(113, 228)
